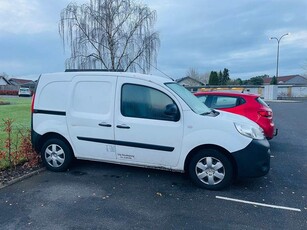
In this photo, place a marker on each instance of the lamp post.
(278, 41)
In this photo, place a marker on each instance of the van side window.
(92, 97)
(145, 102)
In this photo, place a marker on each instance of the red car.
(248, 105)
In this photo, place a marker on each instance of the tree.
(256, 80)
(220, 77)
(237, 81)
(205, 78)
(213, 79)
(193, 74)
(202, 77)
(109, 34)
(273, 81)
(225, 76)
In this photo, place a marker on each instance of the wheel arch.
(211, 146)
(51, 135)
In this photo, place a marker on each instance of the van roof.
(69, 75)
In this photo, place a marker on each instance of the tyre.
(56, 155)
(211, 169)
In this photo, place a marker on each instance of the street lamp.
(278, 41)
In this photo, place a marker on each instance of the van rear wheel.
(56, 155)
(211, 169)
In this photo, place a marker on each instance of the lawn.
(19, 111)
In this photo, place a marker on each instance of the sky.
(204, 35)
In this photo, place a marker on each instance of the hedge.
(8, 92)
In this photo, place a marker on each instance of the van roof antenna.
(161, 72)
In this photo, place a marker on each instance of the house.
(287, 80)
(6, 88)
(23, 83)
(189, 82)
(4, 81)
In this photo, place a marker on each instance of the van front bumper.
(253, 160)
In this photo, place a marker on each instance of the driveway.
(104, 196)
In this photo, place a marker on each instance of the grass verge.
(18, 110)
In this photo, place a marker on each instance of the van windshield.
(192, 101)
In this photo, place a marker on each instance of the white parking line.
(259, 204)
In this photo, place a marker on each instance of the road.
(104, 196)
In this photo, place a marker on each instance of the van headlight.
(250, 131)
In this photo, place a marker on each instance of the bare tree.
(192, 72)
(110, 34)
(205, 78)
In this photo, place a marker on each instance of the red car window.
(202, 98)
(223, 102)
(262, 102)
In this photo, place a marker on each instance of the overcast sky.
(202, 34)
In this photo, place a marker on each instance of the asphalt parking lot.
(104, 196)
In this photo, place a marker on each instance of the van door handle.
(122, 126)
(104, 124)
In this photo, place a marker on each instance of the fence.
(9, 89)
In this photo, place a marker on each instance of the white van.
(142, 120)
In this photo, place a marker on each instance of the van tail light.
(32, 103)
(264, 113)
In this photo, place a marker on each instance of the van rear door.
(90, 117)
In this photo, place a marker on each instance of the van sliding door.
(90, 117)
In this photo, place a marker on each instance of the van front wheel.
(56, 155)
(211, 169)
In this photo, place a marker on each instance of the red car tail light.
(264, 113)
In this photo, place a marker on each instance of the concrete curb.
(22, 177)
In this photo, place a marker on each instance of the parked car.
(246, 104)
(142, 120)
(24, 92)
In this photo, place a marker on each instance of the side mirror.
(171, 110)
